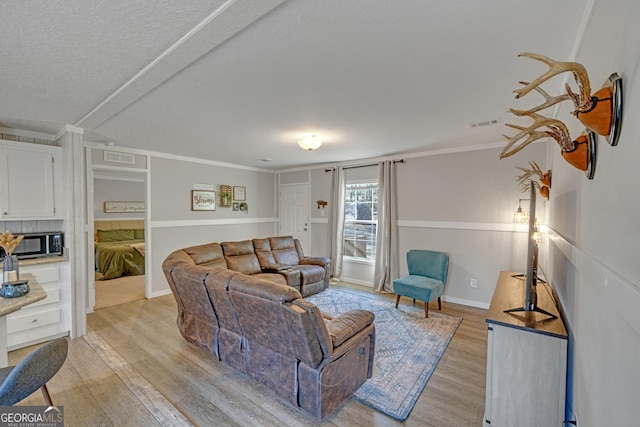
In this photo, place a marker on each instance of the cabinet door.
(27, 184)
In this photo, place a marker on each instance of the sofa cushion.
(272, 277)
(209, 254)
(263, 252)
(241, 257)
(284, 250)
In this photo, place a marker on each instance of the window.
(360, 220)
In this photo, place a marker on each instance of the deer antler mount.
(580, 153)
(600, 112)
(543, 184)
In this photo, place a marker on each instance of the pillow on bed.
(138, 247)
(114, 235)
(138, 233)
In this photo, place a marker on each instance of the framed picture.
(236, 206)
(117, 207)
(225, 196)
(202, 200)
(239, 193)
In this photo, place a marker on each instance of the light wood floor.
(134, 369)
(118, 291)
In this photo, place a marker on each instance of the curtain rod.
(363, 166)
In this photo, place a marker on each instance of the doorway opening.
(118, 222)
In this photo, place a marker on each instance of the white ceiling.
(242, 80)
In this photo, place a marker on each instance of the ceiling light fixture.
(310, 142)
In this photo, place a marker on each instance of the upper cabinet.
(30, 181)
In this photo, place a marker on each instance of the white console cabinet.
(30, 181)
(45, 319)
(526, 360)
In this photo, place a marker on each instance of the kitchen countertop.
(44, 260)
(36, 293)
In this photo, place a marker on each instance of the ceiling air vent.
(485, 123)
(115, 157)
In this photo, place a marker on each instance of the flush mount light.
(310, 142)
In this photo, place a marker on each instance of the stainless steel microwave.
(38, 245)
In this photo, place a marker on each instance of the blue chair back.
(434, 264)
(32, 372)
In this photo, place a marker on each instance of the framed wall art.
(225, 196)
(118, 207)
(239, 193)
(202, 200)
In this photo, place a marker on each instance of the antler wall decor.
(600, 112)
(544, 179)
(580, 153)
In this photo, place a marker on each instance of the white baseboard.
(357, 282)
(160, 293)
(467, 302)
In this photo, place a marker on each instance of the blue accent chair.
(427, 277)
(32, 373)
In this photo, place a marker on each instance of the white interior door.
(294, 213)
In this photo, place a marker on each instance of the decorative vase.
(10, 269)
(13, 291)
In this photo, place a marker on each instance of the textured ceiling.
(238, 81)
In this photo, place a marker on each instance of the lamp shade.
(310, 142)
(520, 217)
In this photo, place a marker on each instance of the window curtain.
(387, 234)
(336, 223)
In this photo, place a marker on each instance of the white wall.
(593, 256)
(174, 225)
(120, 191)
(461, 203)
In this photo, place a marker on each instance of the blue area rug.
(408, 348)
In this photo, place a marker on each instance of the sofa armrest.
(346, 325)
(321, 261)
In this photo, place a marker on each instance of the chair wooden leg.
(439, 304)
(397, 300)
(426, 309)
(45, 393)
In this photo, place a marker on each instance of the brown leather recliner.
(274, 253)
(268, 331)
(313, 362)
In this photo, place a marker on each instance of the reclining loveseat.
(259, 323)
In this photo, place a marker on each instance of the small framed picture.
(236, 206)
(239, 193)
(203, 200)
(224, 193)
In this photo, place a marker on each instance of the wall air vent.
(116, 157)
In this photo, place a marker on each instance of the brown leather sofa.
(277, 259)
(268, 331)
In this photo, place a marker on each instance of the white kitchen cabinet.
(30, 181)
(45, 319)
